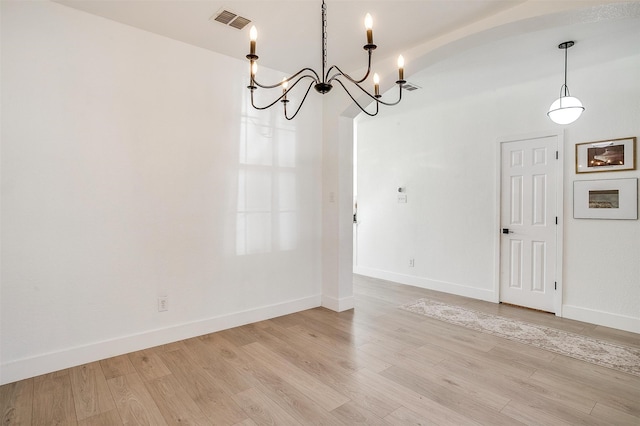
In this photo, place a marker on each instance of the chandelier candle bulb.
(253, 36)
(376, 85)
(285, 84)
(400, 68)
(368, 24)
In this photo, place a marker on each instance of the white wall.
(132, 168)
(337, 222)
(444, 152)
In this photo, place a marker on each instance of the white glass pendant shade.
(565, 110)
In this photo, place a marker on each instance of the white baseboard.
(443, 286)
(606, 319)
(49, 362)
(338, 305)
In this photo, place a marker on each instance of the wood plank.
(16, 403)
(52, 375)
(148, 364)
(476, 391)
(326, 365)
(353, 414)
(218, 406)
(393, 356)
(174, 403)
(116, 366)
(614, 417)
(448, 396)
(366, 397)
(53, 401)
(272, 385)
(239, 336)
(270, 380)
(247, 422)
(263, 410)
(522, 390)
(403, 416)
(213, 353)
(108, 418)
(325, 345)
(519, 388)
(565, 382)
(414, 401)
(134, 402)
(90, 391)
(322, 394)
(589, 373)
(531, 416)
(440, 376)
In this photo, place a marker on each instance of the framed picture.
(606, 156)
(605, 199)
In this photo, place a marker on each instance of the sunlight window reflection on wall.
(287, 203)
(267, 214)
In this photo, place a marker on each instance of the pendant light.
(566, 109)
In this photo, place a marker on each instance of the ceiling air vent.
(230, 19)
(409, 87)
(239, 22)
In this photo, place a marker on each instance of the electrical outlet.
(412, 263)
(163, 304)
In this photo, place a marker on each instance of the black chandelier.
(323, 83)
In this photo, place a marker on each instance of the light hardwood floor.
(374, 365)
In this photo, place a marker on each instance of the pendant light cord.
(566, 88)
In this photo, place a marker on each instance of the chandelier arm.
(281, 97)
(299, 106)
(357, 103)
(347, 76)
(273, 86)
(373, 97)
(396, 102)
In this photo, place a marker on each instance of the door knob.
(507, 231)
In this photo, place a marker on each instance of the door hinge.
(555, 285)
(556, 155)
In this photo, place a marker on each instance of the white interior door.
(529, 223)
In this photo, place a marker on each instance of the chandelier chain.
(324, 39)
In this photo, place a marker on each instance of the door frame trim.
(559, 210)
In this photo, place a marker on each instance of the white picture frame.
(605, 199)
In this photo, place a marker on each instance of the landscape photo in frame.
(605, 199)
(606, 156)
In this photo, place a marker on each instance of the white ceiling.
(290, 32)
(532, 55)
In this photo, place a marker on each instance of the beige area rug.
(599, 352)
